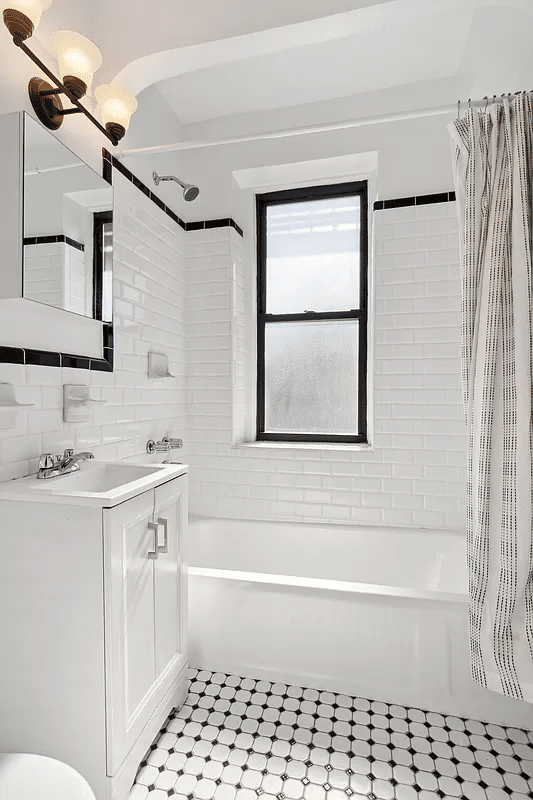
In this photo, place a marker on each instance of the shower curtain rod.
(335, 126)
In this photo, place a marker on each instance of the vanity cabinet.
(93, 629)
(144, 610)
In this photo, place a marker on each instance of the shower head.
(190, 192)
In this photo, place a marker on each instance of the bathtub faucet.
(164, 446)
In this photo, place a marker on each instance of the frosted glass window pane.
(313, 255)
(311, 371)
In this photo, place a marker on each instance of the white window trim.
(320, 172)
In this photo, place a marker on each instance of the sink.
(97, 478)
(99, 483)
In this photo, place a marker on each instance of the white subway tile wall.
(184, 294)
(54, 273)
(149, 286)
(416, 473)
(44, 272)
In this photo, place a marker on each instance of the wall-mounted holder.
(9, 407)
(77, 401)
(158, 366)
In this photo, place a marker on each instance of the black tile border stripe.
(42, 358)
(419, 200)
(110, 161)
(11, 355)
(53, 239)
(49, 358)
(19, 355)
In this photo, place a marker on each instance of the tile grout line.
(236, 759)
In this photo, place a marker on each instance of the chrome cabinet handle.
(153, 553)
(163, 548)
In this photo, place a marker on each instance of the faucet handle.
(69, 452)
(173, 443)
(157, 447)
(46, 461)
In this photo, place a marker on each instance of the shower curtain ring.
(469, 103)
(486, 99)
(458, 108)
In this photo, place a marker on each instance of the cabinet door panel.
(130, 607)
(170, 581)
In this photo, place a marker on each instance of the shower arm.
(167, 178)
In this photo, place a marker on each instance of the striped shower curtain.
(493, 165)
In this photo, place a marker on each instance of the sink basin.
(97, 483)
(97, 478)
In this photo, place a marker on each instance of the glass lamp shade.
(116, 105)
(77, 56)
(32, 9)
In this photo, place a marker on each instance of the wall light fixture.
(78, 59)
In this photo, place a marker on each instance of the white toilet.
(24, 776)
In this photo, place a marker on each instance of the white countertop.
(66, 490)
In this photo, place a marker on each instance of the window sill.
(365, 448)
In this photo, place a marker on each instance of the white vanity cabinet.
(93, 629)
(145, 610)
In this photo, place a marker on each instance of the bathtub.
(379, 613)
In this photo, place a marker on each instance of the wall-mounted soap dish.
(76, 402)
(9, 406)
(158, 366)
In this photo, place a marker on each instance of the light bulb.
(22, 16)
(116, 107)
(78, 60)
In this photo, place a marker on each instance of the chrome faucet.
(52, 466)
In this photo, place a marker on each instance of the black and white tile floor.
(243, 739)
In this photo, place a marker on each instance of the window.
(312, 314)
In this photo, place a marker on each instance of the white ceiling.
(127, 31)
(393, 46)
(372, 49)
(217, 67)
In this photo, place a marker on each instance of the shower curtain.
(493, 162)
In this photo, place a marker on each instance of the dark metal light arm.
(62, 89)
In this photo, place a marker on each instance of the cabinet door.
(131, 679)
(170, 516)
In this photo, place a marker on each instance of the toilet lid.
(24, 776)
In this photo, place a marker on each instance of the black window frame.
(263, 201)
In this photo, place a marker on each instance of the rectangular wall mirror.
(67, 228)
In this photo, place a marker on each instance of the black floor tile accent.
(239, 738)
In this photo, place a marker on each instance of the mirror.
(68, 229)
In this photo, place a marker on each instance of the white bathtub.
(380, 613)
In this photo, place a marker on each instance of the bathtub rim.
(330, 585)
(287, 582)
(356, 526)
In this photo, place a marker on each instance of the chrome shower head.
(190, 192)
